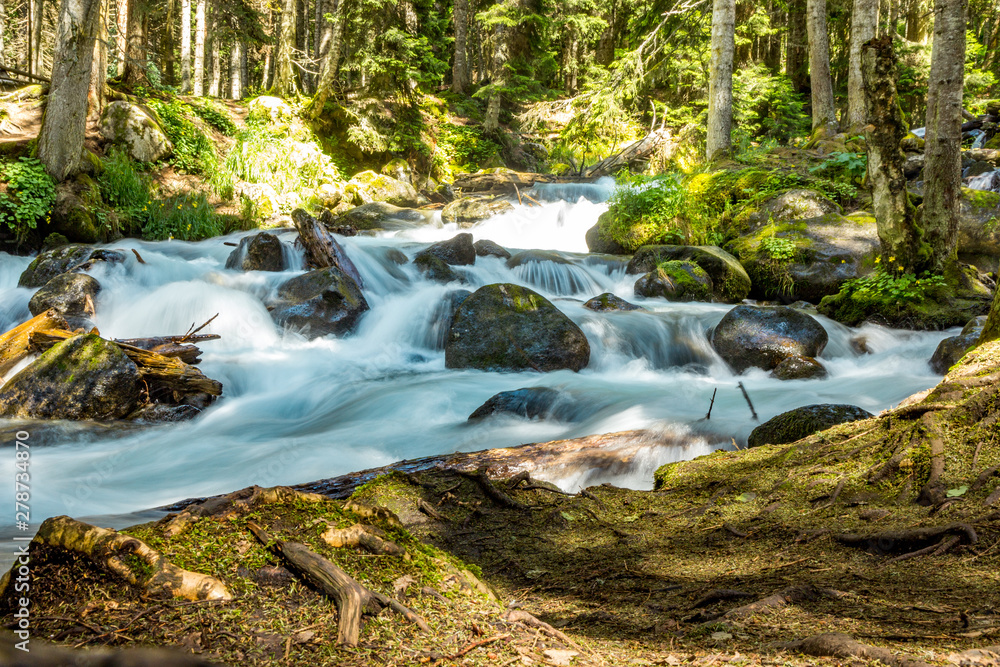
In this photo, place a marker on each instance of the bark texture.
(200, 29)
(797, 49)
(943, 138)
(134, 73)
(284, 82)
(236, 71)
(331, 61)
(60, 142)
(992, 329)
(720, 86)
(185, 46)
(864, 20)
(460, 69)
(501, 54)
(99, 70)
(823, 110)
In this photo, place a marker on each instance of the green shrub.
(186, 217)
(214, 115)
(766, 105)
(465, 147)
(644, 210)
(288, 163)
(29, 196)
(894, 288)
(126, 190)
(194, 152)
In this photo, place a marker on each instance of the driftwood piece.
(156, 341)
(631, 156)
(126, 557)
(351, 598)
(843, 646)
(322, 250)
(505, 183)
(365, 537)
(15, 345)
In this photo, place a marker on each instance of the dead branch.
(322, 250)
(429, 510)
(475, 645)
(186, 337)
(138, 256)
(366, 537)
(15, 345)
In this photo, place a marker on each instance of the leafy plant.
(846, 164)
(893, 288)
(193, 153)
(780, 249)
(287, 160)
(644, 210)
(29, 196)
(126, 190)
(463, 146)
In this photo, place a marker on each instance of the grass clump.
(188, 217)
(213, 114)
(194, 152)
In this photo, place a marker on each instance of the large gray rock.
(321, 302)
(803, 422)
(456, 251)
(268, 109)
(979, 228)
(730, 283)
(951, 349)
(62, 259)
(137, 130)
(260, 252)
(505, 327)
(487, 248)
(84, 377)
(368, 187)
(380, 215)
(763, 337)
(469, 211)
(675, 281)
(68, 294)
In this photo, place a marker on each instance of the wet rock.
(601, 242)
(730, 282)
(763, 337)
(63, 259)
(788, 206)
(399, 169)
(951, 349)
(487, 248)
(505, 327)
(802, 422)
(68, 294)
(799, 368)
(137, 129)
(261, 252)
(528, 256)
(368, 187)
(158, 413)
(329, 195)
(913, 166)
(608, 302)
(529, 402)
(436, 269)
(675, 281)
(321, 302)
(469, 211)
(456, 251)
(84, 377)
(444, 315)
(380, 215)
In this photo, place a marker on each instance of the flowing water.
(296, 410)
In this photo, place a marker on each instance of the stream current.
(296, 410)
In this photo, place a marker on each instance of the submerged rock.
(508, 327)
(63, 259)
(321, 302)
(529, 402)
(456, 251)
(675, 281)
(802, 422)
(799, 368)
(70, 294)
(608, 302)
(730, 282)
(83, 377)
(380, 215)
(763, 337)
(951, 349)
(487, 248)
(469, 211)
(260, 252)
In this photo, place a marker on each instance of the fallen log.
(509, 183)
(631, 157)
(156, 341)
(322, 250)
(15, 345)
(124, 556)
(351, 598)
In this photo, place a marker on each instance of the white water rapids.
(296, 410)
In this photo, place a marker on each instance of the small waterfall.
(989, 181)
(597, 192)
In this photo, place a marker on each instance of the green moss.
(981, 198)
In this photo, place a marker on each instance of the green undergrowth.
(27, 195)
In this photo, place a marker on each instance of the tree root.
(905, 541)
(717, 595)
(792, 594)
(351, 598)
(521, 616)
(365, 537)
(492, 490)
(984, 477)
(429, 510)
(237, 502)
(126, 557)
(932, 493)
(843, 646)
(934, 550)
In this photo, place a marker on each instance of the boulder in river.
(608, 302)
(83, 377)
(368, 187)
(528, 402)
(675, 281)
(953, 348)
(506, 327)
(469, 211)
(380, 215)
(69, 294)
(62, 259)
(434, 268)
(802, 422)
(799, 368)
(487, 248)
(730, 282)
(763, 337)
(260, 252)
(599, 241)
(456, 251)
(321, 302)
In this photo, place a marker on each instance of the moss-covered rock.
(137, 130)
(84, 377)
(788, 206)
(803, 422)
(270, 110)
(380, 215)
(399, 169)
(469, 211)
(730, 282)
(434, 268)
(763, 337)
(608, 302)
(952, 349)
(487, 248)
(675, 281)
(260, 252)
(73, 212)
(62, 259)
(979, 228)
(321, 302)
(68, 294)
(367, 187)
(505, 327)
(598, 239)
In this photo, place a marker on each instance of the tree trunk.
(60, 142)
(284, 77)
(943, 138)
(236, 71)
(216, 59)
(99, 71)
(37, 8)
(200, 29)
(169, 66)
(720, 85)
(185, 46)
(992, 329)
(894, 214)
(460, 69)
(823, 111)
(501, 54)
(797, 50)
(864, 20)
(121, 25)
(331, 61)
(135, 45)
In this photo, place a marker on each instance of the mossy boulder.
(367, 187)
(456, 251)
(62, 259)
(808, 259)
(799, 368)
(763, 337)
(598, 239)
(380, 215)
(979, 228)
(608, 302)
(730, 282)
(434, 268)
(469, 211)
(953, 348)
(84, 377)
(675, 281)
(787, 206)
(68, 294)
(487, 248)
(260, 252)
(136, 129)
(73, 212)
(271, 110)
(321, 302)
(803, 422)
(528, 402)
(506, 327)
(399, 169)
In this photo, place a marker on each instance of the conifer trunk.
(284, 83)
(185, 46)
(216, 59)
(864, 20)
(200, 29)
(797, 50)
(331, 61)
(99, 70)
(37, 12)
(236, 71)
(121, 26)
(169, 62)
(823, 110)
(460, 68)
(501, 55)
(135, 45)
(720, 86)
